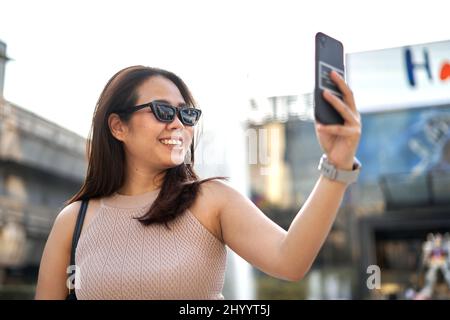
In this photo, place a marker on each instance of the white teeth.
(171, 141)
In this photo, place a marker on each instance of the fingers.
(341, 107)
(344, 88)
(339, 130)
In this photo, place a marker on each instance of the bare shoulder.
(221, 194)
(68, 214)
(66, 219)
(207, 206)
(219, 191)
(65, 222)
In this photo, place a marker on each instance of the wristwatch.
(331, 172)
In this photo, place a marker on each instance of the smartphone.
(329, 56)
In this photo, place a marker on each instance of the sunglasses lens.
(190, 116)
(165, 113)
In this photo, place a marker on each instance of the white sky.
(227, 51)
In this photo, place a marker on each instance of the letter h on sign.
(412, 66)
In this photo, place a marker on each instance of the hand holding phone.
(329, 57)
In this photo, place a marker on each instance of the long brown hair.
(106, 156)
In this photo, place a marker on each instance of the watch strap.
(332, 173)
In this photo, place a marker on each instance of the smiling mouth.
(173, 143)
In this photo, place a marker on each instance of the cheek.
(147, 127)
(144, 136)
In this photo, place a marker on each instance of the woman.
(152, 229)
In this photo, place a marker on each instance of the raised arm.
(289, 255)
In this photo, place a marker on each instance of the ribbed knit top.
(119, 258)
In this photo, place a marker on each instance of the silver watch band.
(331, 172)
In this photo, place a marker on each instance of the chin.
(177, 158)
(173, 162)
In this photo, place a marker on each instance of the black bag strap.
(76, 234)
(77, 230)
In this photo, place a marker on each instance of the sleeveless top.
(119, 258)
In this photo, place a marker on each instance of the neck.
(139, 180)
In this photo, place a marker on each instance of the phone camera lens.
(322, 41)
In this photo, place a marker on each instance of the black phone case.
(329, 55)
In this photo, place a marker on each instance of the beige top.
(119, 258)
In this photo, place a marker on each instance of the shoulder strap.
(76, 236)
(77, 230)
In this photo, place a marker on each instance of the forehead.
(159, 88)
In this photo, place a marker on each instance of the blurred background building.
(403, 193)
(41, 166)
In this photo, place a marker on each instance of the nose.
(176, 123)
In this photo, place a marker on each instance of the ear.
(118, 128)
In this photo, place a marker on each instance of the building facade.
(403, 193)
(41, 166)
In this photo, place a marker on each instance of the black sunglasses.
(164, 112)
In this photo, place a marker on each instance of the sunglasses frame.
(153, 104)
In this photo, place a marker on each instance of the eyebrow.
(181, 104)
